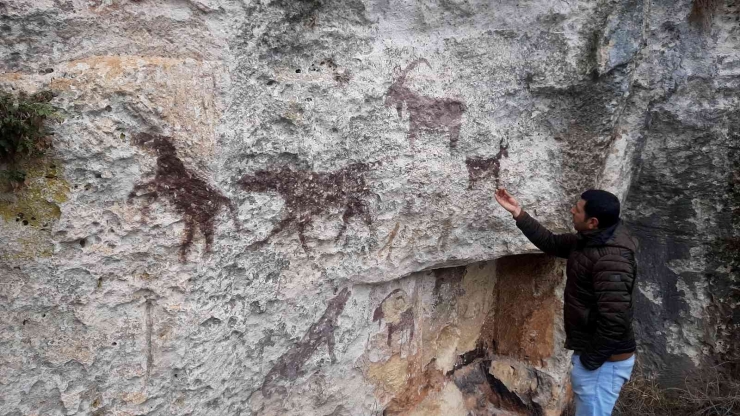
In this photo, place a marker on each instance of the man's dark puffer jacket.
(601, 273)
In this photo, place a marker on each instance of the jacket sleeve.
(613, 277)
(554, 244)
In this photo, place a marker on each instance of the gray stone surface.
(683, 202)
(311, 157)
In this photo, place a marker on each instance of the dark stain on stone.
(481, 389)
(505, 399)
(425, 113)
(308, 194)
(297, 11)
(451, 277)
(723, 261)
(191, 196)
(703, 11)
(291, 36)
(582, 122)
(479, 352)
(687, 168)
(472, 381)
(483, 168)
(289, 365)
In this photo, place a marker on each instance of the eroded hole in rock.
(479, 339)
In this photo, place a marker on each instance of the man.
(598, 295)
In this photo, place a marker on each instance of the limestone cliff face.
(284, 207)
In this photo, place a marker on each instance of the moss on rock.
(37, 203)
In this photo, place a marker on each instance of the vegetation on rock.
(23, 131)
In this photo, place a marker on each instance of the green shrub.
(23, 131)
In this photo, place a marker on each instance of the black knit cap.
(603, 205)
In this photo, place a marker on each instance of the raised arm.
(554, 244)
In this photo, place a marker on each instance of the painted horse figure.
(191, 196)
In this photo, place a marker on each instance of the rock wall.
(683, 202)
(285, 207)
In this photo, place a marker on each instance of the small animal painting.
(482, 168)
(190, 195)
(425, 113)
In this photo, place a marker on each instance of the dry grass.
(712, 391)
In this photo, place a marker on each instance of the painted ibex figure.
(425, 113)
(193, 197)
(308, 194)
(481, 168)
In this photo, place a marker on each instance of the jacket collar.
(598, 237)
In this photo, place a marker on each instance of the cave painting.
(191, 196)
(482, 168)
(289, 365)
(308, 194)
(425, 113)
(396, 310)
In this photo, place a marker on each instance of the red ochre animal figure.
(308, 194)
(482, 168)
(289, 365)
(425, 113)
(191, 196)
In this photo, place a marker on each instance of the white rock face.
(246, 199)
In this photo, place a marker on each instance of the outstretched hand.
(508, 202)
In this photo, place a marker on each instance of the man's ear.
(593, 223)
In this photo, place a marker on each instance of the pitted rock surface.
(313, 230)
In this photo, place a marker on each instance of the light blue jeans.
(596, 391)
